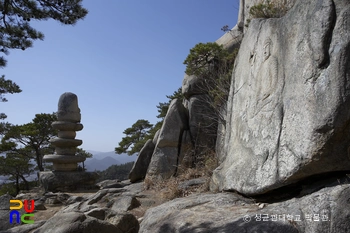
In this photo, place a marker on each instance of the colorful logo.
(28, 207)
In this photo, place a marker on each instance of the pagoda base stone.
(55, 181)
(64, 162)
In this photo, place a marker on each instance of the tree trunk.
(17, 185)
(39, 159)
(25, 182)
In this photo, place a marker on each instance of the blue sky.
(121, 61)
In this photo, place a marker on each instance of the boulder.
(63, 222)
(220, 138)
(139, 169)
(39, 204)
(56, 198)
(97, 196)
(67, 181)
(5, 211)
(190, 183)
(155, 138)
(174, 123)
(107, 184)
(99, 213)
(192, 85)
(25, 228)
(186, 156)
(231, 39)
(74, 199)
(325, 211)
(125, 203)
(164, 161)
(93, 225)
(124, 221)
(288, 108)
(134, 189)
(76, 222)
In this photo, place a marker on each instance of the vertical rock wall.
(289, 105)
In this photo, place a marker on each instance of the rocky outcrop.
(197, 126)
(76, 222)
(67, 181)
(288, 110)
(139, 169)
(103, 211)
(107, 184)
(4, 211)
(325, 211)
(165, 158)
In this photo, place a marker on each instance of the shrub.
(270, 9)
(201, 56)
(214, 64)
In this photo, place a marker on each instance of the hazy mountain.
(102, 160)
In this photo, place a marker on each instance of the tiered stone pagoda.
(68, 123)
(65, 175)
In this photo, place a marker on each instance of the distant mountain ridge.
(102, 160)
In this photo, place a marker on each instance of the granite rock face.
(228, 212)
(165, 158)
(67, 181)
(139, 169)
(5, 211)
(288, 109)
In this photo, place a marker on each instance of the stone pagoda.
(65, 175)
(68, 123)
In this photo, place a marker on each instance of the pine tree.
(7, 87)
(17, 33)
(16, 15)
(33, 136)
(135, 138)
(17, 166)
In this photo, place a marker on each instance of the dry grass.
(169, 188)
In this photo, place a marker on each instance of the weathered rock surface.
(68, 109)
(67, 181)
(190, 183)
(174, 124)
(5, 211)
(165, 158)
(227, 212)
(186, 156)
(164, 163)
(288, 109)
(107, 184)
(244, 11)
(139, 169)
(76, 222)
(125, 203)
(103, 211)
(126, 222)
(192, 85)
(24, 228)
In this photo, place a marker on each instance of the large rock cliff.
(288, 110)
